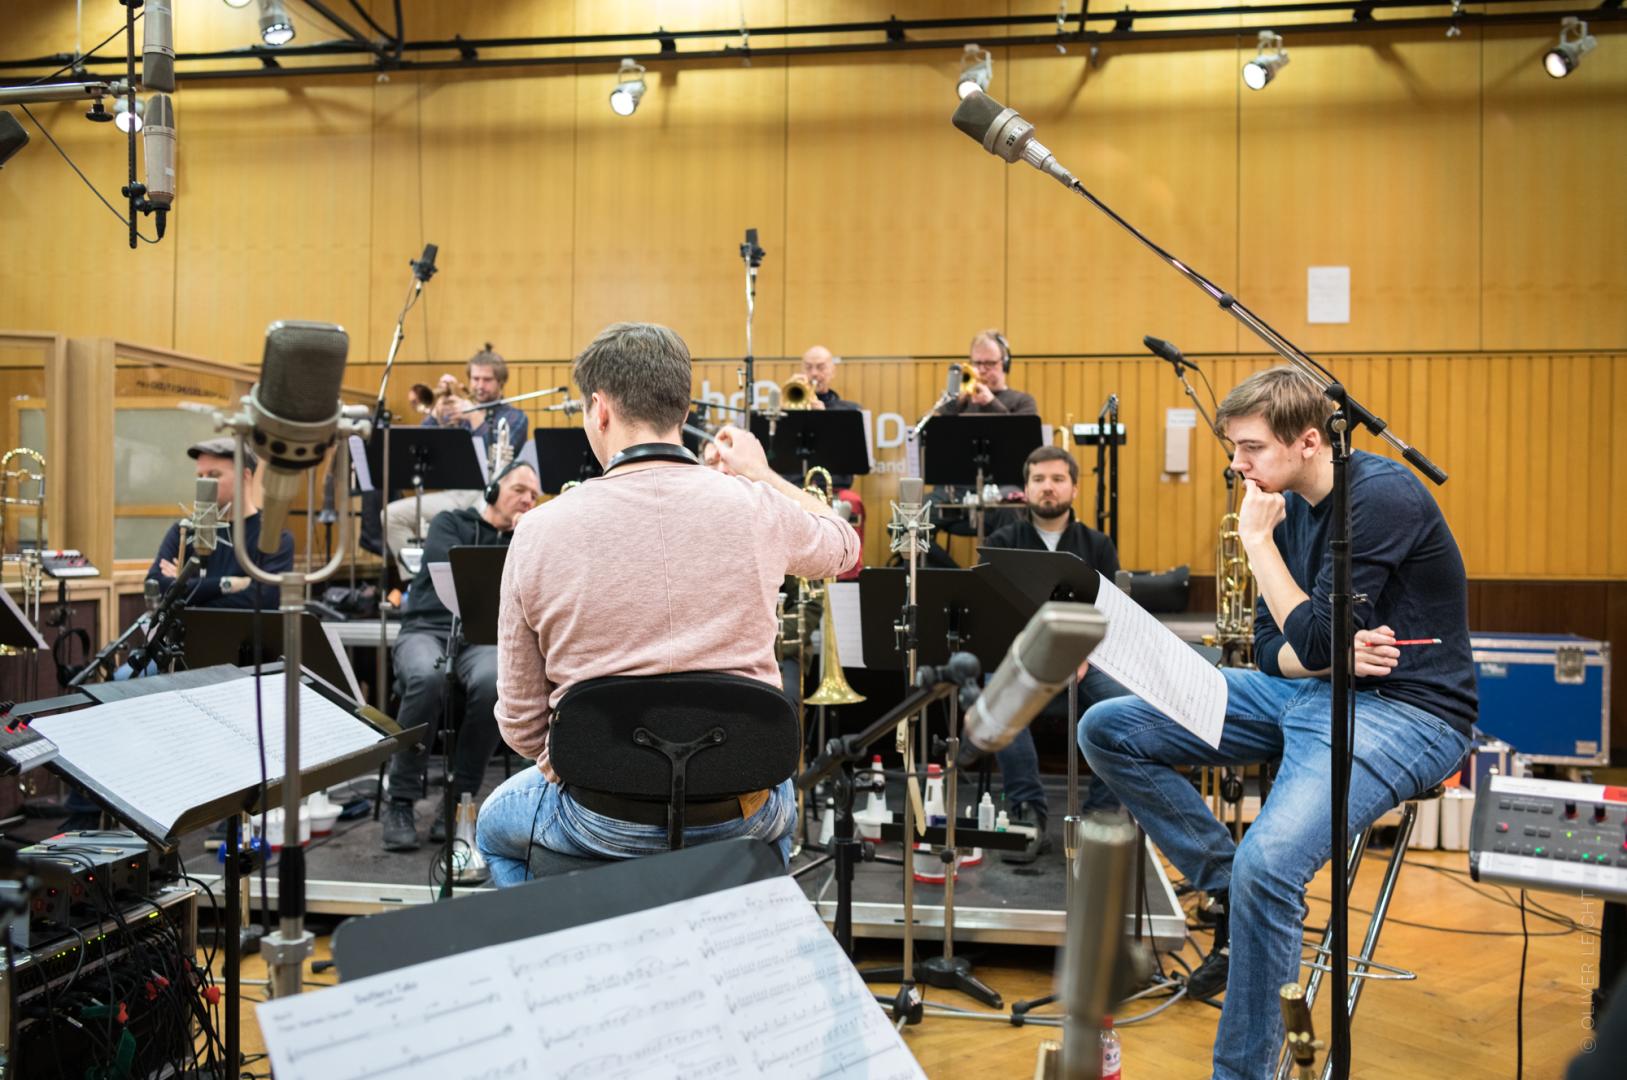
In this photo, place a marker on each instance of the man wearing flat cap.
(221, 582)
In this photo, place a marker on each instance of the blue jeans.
(1400, 751)
(527, 807)
(1019, 761)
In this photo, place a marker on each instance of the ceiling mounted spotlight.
(238, 3)
(976, 69)
(121, 114)
(1574, 43)
(629, 88)
(1269, 58)
(275, 26)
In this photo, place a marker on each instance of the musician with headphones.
(426, 625)
(658, 566)
(990, 359)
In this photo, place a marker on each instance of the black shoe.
(400, 826)
(1210, 977)
(437, 828)
(1038, 844)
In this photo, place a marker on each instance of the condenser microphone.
(158, 47)
(570, 406)
(951, 389)
(158, 142)
(773, 410)
(294, 409)
(205, 515)
(1045, 655)
(423, 268)
(1166, 351)
(1007, 135)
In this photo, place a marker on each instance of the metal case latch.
(1570, 665)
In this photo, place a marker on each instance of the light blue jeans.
(1400, 751)
(527, 808)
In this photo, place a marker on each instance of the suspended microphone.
(909, 492)
(295, 411)
(158, 143)
(151, 593)
(951, 389)
(1093, 952)
(423, 268)
(205, 515)
(158, 47)
(1007, 135)
(1166, 351)
(1045, 655)
(570, 406)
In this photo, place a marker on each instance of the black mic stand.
(1107, 469)
(752, 255)
(1347, 412)
(422, 270)
(165, 623)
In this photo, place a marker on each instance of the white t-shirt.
(1050, 539)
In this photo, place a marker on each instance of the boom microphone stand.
(752, 255)
(1006, 134)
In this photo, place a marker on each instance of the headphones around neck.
(653, 451)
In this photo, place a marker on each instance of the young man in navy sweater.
(1414, 705)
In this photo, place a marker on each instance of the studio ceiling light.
(1269, 58)
(275, 26)
(976, 69)
(121, 114)
(629, 88)
(1574, 43)
(238, 3)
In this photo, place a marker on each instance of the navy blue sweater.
(1405, 560)
(222, 563)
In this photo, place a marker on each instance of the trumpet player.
(818, 369)
(486, 373)
(580, 576)
(990, 360)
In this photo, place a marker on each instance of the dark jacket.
(222, 563)
(449, 529)
(1078, 538)
(1007, 401)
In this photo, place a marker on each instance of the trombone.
(833, 687)
(27, 558)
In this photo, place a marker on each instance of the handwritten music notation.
(742, 983)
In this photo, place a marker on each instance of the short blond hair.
(1287, 400)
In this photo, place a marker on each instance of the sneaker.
(1038, 844)
(437, 828)
(1210, 977)
(400, 826)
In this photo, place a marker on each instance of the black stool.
(672, 747)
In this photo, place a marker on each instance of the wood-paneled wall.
(1476, 201)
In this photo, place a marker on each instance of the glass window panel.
(138, 537)
(150, 466)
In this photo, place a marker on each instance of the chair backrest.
(591, 744)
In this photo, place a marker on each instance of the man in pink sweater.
(658, 566)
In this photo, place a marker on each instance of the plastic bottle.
(929, 869)
(1002, 822)
(985, 812)
(1112, 1052)
(875, 813)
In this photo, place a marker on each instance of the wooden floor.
(1457, 1020)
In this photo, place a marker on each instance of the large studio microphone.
(158, 144)
(1093, 951)
(1048, 651)
(205, 515)
(158, 47)
(295, 412)
(423, 267)
(1007, 136)
(773, 410)
(1164, 350)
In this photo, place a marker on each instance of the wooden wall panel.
(1365, 154)
(1554, 154)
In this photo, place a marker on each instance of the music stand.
(477, 574)
(226, 636)
(433, 458)
(1038, 576)
(563, 455)
(982, 449)
(15, 629)
(832, 438)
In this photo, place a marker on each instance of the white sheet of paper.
(1327, 294)
(440, 575)
(480, 454)
(742, 983)
(358, 459)
(844, 608)
(1152, 663)
(184, 748)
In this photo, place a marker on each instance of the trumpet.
(833, 687)
(431, 400)
(969, 382)
(797, 393)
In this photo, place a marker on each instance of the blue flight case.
(1546, 695)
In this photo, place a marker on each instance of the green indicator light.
(1539, 851)
(1569, 834)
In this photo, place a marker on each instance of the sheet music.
(1152, 663)
(440, 575)
(746, 982)
(844, 601)
(164, 754)
(480, 454)
(358, 461)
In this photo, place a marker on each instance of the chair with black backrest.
(675, 750)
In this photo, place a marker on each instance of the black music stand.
(832, 438)
(226, 636)
(1038, 576)
(15, 628)
(981, 449)
(564, 455)
(477, 576)
(431, 458)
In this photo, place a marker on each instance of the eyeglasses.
(985, 363)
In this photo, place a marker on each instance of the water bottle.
(929, 870)
(1111, 1052)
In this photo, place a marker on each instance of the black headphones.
(494, 486)
(654, 451)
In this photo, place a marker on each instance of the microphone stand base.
(945, 974)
